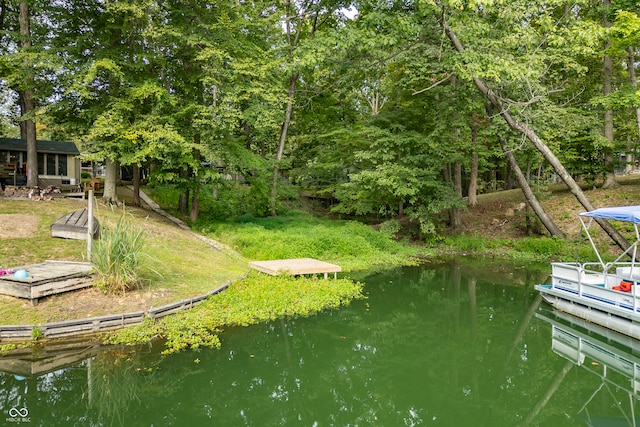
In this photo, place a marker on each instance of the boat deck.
(47, 278)
(296, 266)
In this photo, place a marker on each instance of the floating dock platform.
(296, 266)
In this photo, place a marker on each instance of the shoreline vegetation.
(176, 264)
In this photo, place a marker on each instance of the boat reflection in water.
(613, 357)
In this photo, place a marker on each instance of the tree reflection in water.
(449, 344)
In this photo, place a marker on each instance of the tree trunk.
(456, 219)
(446, 173)
(195, 203)
(28, 102)
(629, 157)
(136, 185)
(529, 196)
(110, 196)
(457, 178)
(195, 197)
(454, 216)
(610, 174)
(634, 82)
(508, 181)
(527, 207)
(183, 200)
(284, 129)
(3, 14)
(472, 191)
(525, 130)
(493, 179)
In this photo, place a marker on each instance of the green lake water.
(436, 345)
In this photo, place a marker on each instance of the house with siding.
(58, 162)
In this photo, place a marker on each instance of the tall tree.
(27, 102)
(625, 40)
(607, 76)
(28, 67)
(472, 189)
(524, 129)
(127, 95)
(302, 20)
(631, 67)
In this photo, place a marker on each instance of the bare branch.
(416, 92)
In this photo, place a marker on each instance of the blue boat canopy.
(619, 213)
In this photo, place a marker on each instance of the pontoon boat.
(605, 293)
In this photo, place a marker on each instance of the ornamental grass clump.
(116, 257)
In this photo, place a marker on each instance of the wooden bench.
(74, 225)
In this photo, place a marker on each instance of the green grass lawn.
(175, 264)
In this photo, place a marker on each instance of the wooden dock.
(296, 266)
(47, 278)
(74, 226)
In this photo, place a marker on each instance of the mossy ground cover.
(255, 299)
(352, 245)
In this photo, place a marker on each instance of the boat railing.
(628, 270)
(604, 292)
(574, 272)
(622, 278)
(592, 272)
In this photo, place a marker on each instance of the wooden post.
(90, 225)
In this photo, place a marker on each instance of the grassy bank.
(178, 265)
(356, 247)
(496, 228)
(175, 264)
(524, 249)
(255, 299)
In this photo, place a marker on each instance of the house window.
(51, 164)
(41, 164)
(15, 157)
(62, 164)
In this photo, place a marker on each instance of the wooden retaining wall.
(109, 322)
